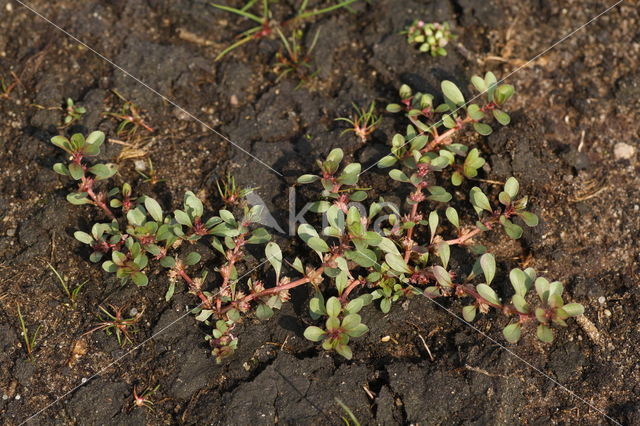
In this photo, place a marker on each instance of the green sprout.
(74, 112)
(29, 341)
(363, 122)
(431, 37)
(129, 116)
(266, 24)
(294, 58)
(116, 323)
(71, 293)
(150, 176)
(143, 399)
(230, 192)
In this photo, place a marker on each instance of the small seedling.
(72, 294)
(74, 112)
(143, 400)
(352, 420)
(231, 193)
(267, 25)
(431, 37)
(294, 58)
(116, 323)
(150, 176)
(30, 342)
(130, 118)
(363, 122)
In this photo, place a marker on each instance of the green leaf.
(306, 232)
(274, 256)
(512, 187)
(483, 129)
(364, 257)
(520, 303)
(358, 330)
(259, 236)
(333, 306)
(62, 142)
(503, 93)
(475, 112)
(452, 216)
(97, 137)
(444, 252)
(139, 279)
(438, 194)
(318, 244)
(313, 333)
(154, 209)
(109, 266)
(387, 161)
(488, 294)
(75, 170)
(345, 351)
(397, 263)
(451, 91)
(469, 313)
(518, 281)
(573, 309)
(264, 312)
(478, 83)
(61, 169)
(479, 200)
(393, 108)
(488, 265)
(308, 179)
(448, 122)
(512, 332)
(529, 218)
(513, 231)
(78, 198)
(502, 117)
(442, 276)
(168, 262)
(103, 171)
(194, 206)
(192, 258)
(83, 237)
(182, 218)
(398, 175)
(335, 155)
(544, 333)
(542, 288)
(169, 294)
(388, 246)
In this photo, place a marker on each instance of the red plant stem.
(194, 288)
(100, 203)
(273, 290)
(349, 289)
(407, 252)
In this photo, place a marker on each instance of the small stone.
(133, 312)
(623, 151)
(636, 207)
(233, 100)
(140, 165)
(11, 232)
(9, 7)
(607, 312)
(18, 397)
(601, 300)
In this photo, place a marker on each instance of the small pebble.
(636, 208)
(601, 300)
(140, 165)
(84, 380)
(623, 151)
(5, 397)
(233, 100)
(11, 232)
(18, 397)
(607, 312)
(133, 312)
(9, 7)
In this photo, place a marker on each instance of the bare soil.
(573, 105)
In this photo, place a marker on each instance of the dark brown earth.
(574, 104)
